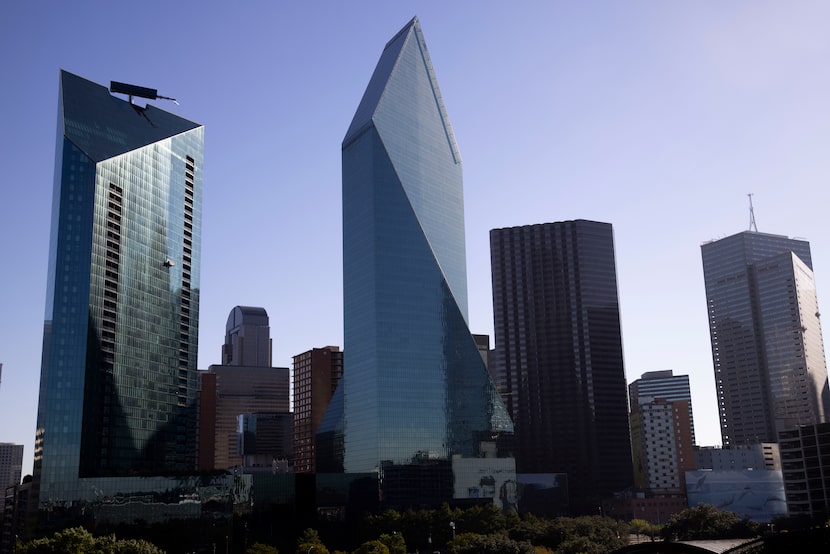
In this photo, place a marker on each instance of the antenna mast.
(752, 226)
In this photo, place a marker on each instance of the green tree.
(394, 542)
(654, 530)
(309, 542)
(704, 521)
(77, 540)
(639, 526)
(133, 546)
(372, 547)
(483, 520)
(494, 543)
(259, 548)
(580, 545)
(531, 529)
(440, 523)
(72, 540)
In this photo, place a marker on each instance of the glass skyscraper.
(558, 355)
(415, 405)
(118, 375)
(767, 346)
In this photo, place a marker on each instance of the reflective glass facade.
(558, 357)
(805, 461)
(118, 375)
(415, 391)
(767, 346)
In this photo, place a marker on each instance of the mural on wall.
(754, 494)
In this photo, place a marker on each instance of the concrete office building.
(758, 456)
(559, 359)
(662, 384)
(767, 346)
(415, 407)
(316, 375)
(661, 445)
(11, 464)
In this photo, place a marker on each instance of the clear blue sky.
(658, 117)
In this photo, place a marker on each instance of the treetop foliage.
(705, 521)
(372, 547)
(495, 543)
(77, 540)
(259, 548)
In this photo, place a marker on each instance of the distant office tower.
(662, 384)
(118, 376)
(767, 345)
(316, 375)
(418, 408)
(559, 354)
(228, 391)
(247, 338)
(661, 445)
(805, 462)
(11, 464)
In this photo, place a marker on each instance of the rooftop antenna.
(141, 92)
(752, 226)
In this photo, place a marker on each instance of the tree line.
(477, 530)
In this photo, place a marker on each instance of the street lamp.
(452, 526)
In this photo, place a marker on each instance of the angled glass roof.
(104, 126)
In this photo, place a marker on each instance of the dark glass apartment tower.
(559, 359)
(767, 346)
(418, 407)
(118, 375)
